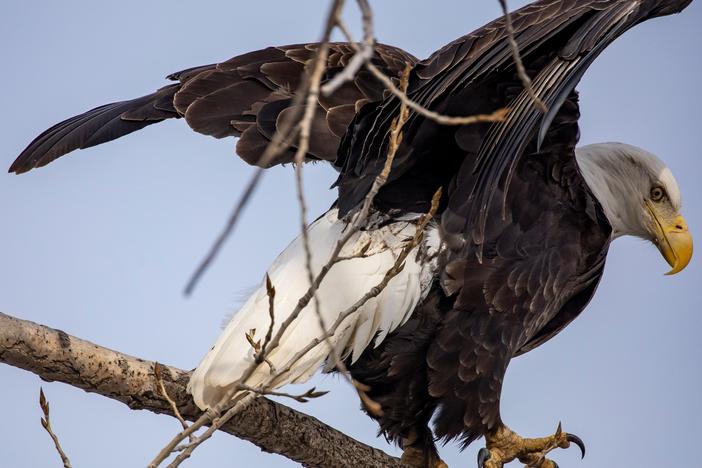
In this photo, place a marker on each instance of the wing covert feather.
(225, 99)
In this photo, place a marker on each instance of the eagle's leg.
(504, 446)
(419, 450)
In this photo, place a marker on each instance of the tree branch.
(46, 424)
(54, 355)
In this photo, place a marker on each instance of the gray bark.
(54, 355)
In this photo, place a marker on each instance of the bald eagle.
(513, 254)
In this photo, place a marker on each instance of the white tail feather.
(343, 286)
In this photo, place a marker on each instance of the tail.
(99, 125)
(370, 254)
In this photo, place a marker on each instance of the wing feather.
(223, 100)
(572, 32)
(94, 127)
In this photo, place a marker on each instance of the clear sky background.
(101, 243)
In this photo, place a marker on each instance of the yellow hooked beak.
(673, 240)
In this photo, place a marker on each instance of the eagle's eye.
(657, 193)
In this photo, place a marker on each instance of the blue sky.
(101, 243)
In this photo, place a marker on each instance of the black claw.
(577, 441)
(483, 456)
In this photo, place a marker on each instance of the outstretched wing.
(558, 40)
(243, 97)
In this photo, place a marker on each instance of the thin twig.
(217, 422)
(394, 143)
(228, 406)
(186, 451)
(263, 352)
(303, 145)
(302, 398)
(395, 138)
(521, 71)
(378, 288)
(212, 414)
(46, 424)
(164, 393)
(286, 130)
(498, 116)
(279, 142)
(361, 57)
(232, 220)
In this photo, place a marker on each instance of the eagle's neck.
(612, 186)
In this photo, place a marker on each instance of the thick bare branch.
(56, 356)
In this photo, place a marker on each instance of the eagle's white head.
(639, 196)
